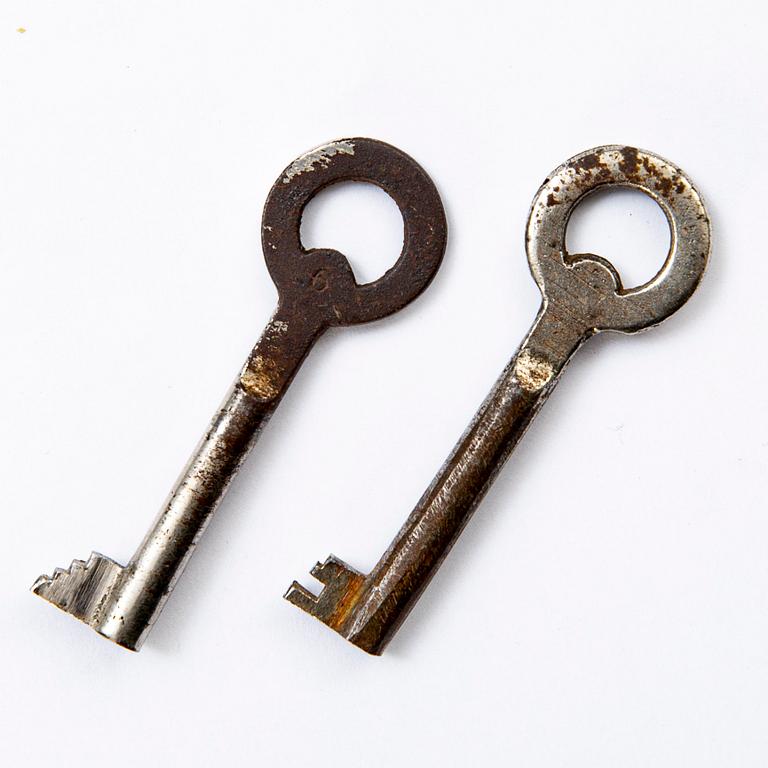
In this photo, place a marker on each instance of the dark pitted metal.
(321, 281)
(581, 296)
(316, 290)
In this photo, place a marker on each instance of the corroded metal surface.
(582, 295)
(317, 289)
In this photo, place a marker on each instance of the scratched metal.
(317, 289)
(582, 295)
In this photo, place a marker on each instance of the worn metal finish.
(582, 295)
(317, 289)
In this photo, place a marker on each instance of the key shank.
(149, 578)
(367, 610)
(122, 603)
(151, 575)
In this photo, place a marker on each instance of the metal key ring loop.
(596, 296)
(321, 281)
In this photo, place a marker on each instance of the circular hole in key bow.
(624, 226)
(359, 220)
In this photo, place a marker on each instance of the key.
(582, 295)
(317, 290)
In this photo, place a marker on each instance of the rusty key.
(582, 295)
(317, 290)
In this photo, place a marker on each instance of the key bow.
(321, 280)
(589, 285)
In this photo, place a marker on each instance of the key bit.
(80, 589)
(317, 290)
(341, 584)
(582, 295)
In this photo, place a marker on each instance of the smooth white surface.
(608, 604)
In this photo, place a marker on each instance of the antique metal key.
(317, 289)
(581, 295)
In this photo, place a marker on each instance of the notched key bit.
(582, 295)
(82, 588)
(317, 289)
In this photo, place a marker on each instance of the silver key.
(582, 295)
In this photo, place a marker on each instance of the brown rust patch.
(586, 163)
(343, 609)
(629, 164)
(664, 185)
(650, 168)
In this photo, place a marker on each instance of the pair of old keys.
(582, 295)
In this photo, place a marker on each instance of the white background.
(608, 604)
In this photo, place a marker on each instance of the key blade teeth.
(332, 605)
(332, 571)
(82, 589)
(301, 597)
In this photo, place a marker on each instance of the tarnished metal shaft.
(146, 582)
(129, 599)
(144, 585)
(441, 514)
(368, 609)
